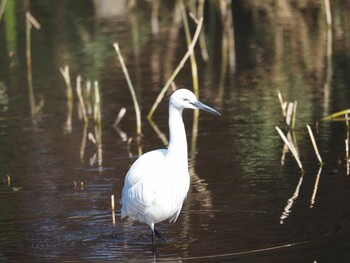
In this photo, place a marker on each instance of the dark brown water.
(243, 205)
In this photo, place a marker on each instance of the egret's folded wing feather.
(138, 192)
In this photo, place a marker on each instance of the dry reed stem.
(177, 70)
(97, 103)
(112, 202)
(65, 74)
(131, 88)
(120, 116)
(291, 148)
(202, 43)
(113, 209)
(294, 114)
(33, 21)
(314, 144)
(282, 103)
(154, 16)
(83, 143)
(81, 100)
(192, 55)
(347, 156)
(328, 13)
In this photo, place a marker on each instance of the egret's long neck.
(178, 143)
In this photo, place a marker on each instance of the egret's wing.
(174, 217)
(138, 192)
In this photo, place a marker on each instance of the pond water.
(248, 200)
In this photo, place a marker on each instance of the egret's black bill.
(204, 107)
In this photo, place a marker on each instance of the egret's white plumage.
(157, 183)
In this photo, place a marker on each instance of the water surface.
(246, 203)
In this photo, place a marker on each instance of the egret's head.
(185, 99)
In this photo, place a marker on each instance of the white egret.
(157, 183)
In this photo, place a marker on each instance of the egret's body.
(157, 183)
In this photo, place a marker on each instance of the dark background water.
(243, 205)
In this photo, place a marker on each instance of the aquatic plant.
(131, 88)
(314, 144)
(177, 70)
(291, 148)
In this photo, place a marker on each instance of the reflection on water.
(56, 185)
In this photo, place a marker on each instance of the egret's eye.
(185, 99)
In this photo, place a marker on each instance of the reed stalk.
(120, 116)
(328, 13)
(336, 115)
(192, 55)
(177, 70)
(30, 21)
(2, 8)
(65, 74)
(97, 103)
(202, 44)
(282, 103)
(154, 16)
(113, 209)
(347, 156)
(83, 143)
(81, 100)
(314, 144)
(291, 148)
(69, 94)
(132, 91)
(98, 133)
(294, 114)
(8, 180)
(231, 37)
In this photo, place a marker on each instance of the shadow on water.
(248, 201)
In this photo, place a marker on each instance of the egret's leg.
(154, 232)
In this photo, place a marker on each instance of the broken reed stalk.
(65, 74)
(131, 88)
(120, 116)
(81, 100)
(112, 202)
(177, 70)
(192, 55)
(113, 209)
(291, 148)
(314, 144)
(69, 94)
